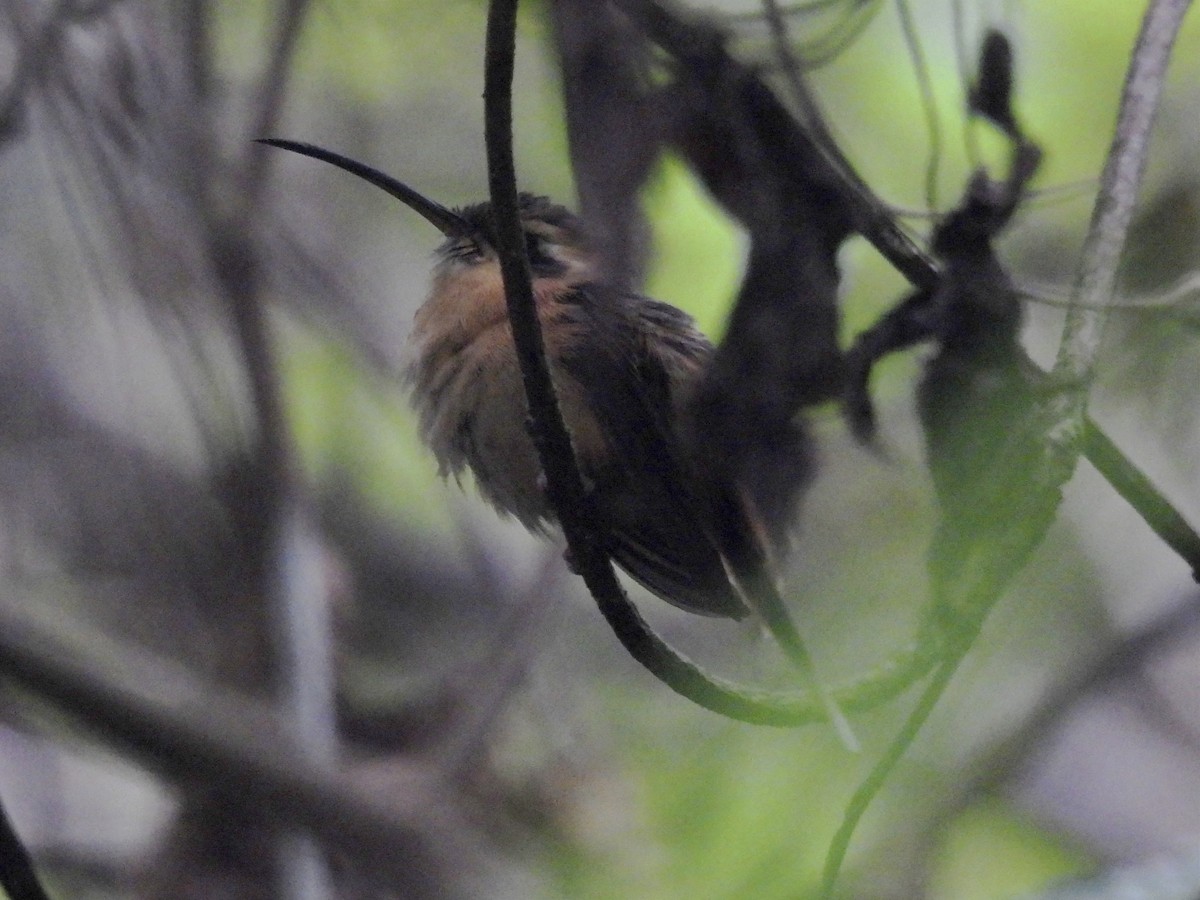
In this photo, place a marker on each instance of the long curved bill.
(444, 220)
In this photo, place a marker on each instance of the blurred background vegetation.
(132, 437)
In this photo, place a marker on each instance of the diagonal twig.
(1119, 184)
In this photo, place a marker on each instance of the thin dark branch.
(565, 485)
(17, 875)
(564, 482)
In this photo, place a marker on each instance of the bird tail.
(744, 546)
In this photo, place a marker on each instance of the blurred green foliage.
(989, 852)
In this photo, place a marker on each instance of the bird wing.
(630, 360)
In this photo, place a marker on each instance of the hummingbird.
(624, 367)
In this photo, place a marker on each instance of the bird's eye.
(466, 251)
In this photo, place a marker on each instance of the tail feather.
(744, 544)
